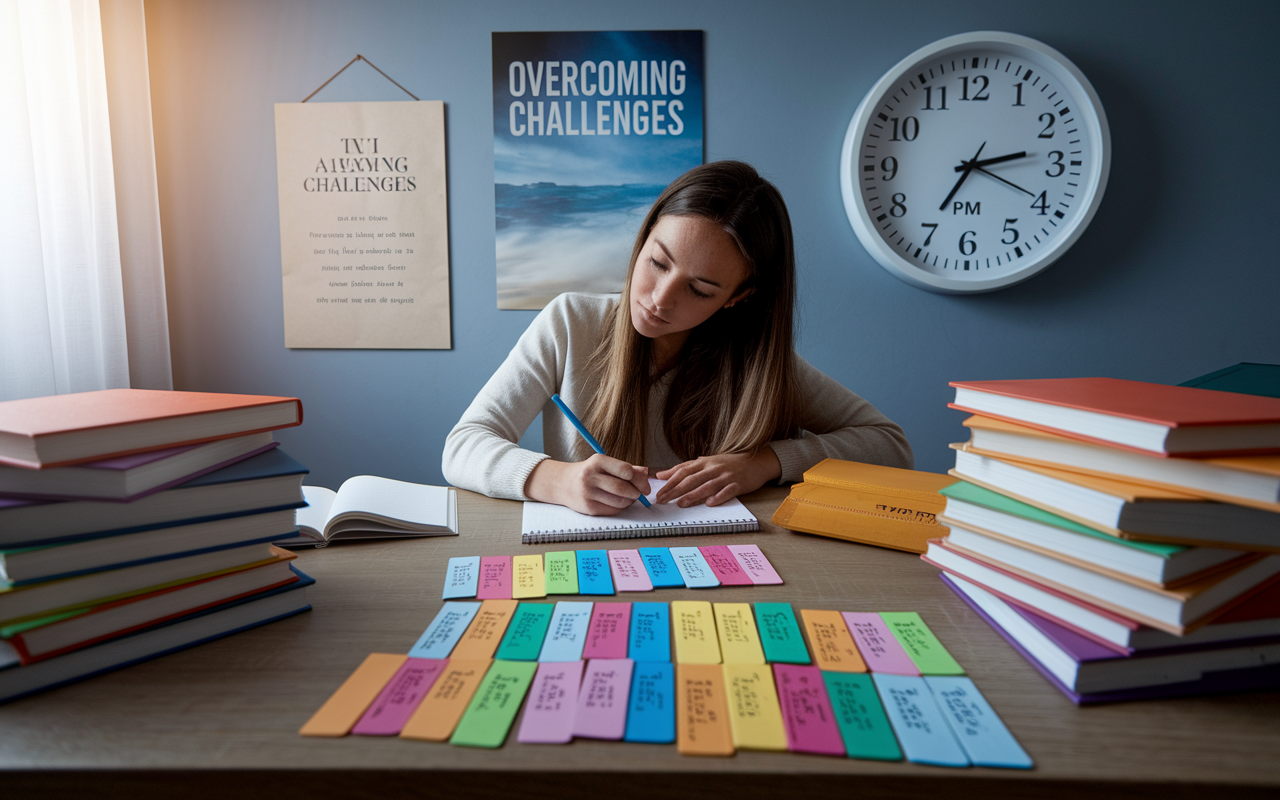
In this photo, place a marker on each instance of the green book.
(494, 707)
(523, 639)
(861, 717)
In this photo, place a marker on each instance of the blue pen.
(591, 440)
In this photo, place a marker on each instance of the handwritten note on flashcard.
(400, 697)
(833, 647)
(602, 699)
(651, 712)
(725, 566)
(736, 628)
(440, 710)
(806, 711)
(495, 578)
(756, 565)
(527, 629)
(343, 709)
(529, 579)
(694, 568)
(607, 633)
(780, 634)
(562, 572)
(485, 631)
(445, 630)
(629, 574)
(863, 724)
(695, 632)
(462, 577)
(650, 633)
(494, 707)
(567, 634)
(702, 712)
(976, 725)
(922, 730)
(930, 657)
(593, 572)
(661, 567)
(553, 700)
(879, 648)
(755, 718)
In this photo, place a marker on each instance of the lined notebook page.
(544, 522)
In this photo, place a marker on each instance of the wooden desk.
(222, 719)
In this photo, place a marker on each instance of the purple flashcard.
(629, 574)
(879, 648)
(725, 566)
(552, 704)
(495, 578)
(607, 633)
(806, 711)
(602, 699)
(756, 565)
(400, 697)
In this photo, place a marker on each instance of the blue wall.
(1176, 276)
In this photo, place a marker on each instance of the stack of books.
(134, 523)
(1123, 536)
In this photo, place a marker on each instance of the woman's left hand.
(718, 479)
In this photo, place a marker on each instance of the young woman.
(689, 376)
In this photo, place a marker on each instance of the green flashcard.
(780, 635)
(494, 707)
(562, 572)
(861, 718)
(523, 639)
(930, 657)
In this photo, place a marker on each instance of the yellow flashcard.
(449, 697)
(695, 632)
(485, 631)
(530, 579)
(702, 727)
(739, 639)
(754, 714)
(833, 647)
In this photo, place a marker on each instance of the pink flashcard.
(725, 566)
(806, 711)
(602, 699)
(607, 633)
(552, 704)
(629, 574)
(756, 565)
(400, 697)
(879, 647)
(495, 578)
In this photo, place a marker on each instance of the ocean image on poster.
(589, 127)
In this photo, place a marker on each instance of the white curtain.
(74, 315)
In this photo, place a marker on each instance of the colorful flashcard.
(726, 568)
(567, 634)
(462, 577)
(976, 725)
(528, 577)
(780, 634)
(806, 710)
(445, 630)
(485, 631)
(702, 711)
(602, 699)
(661, 567)
(755, 718)
(651, 714)
(930, 657)
(593, 572)
(860, 716)
(629, 574)
(694, 569)
(494, 707)
(833, 647)
(440, 710)
(553, 701)
(736, 629)
(400, 697)
(650, 632)
(607, 633)
(879, 648)
(756, 565)
(917, 720)
(562, 572)
(525, 633)
(345, 707)
(695, 632)
(495, 578)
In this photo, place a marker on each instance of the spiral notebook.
(544, 522)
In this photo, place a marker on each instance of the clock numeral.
(981, 93)
(933, 226)
(890, 167)
(928, 99)
(1056, 157)
(910, 129)
(899, 206)
(1013, 232)
(1047, 133)
(1018, 102)
(968, 246)
(1041, 204)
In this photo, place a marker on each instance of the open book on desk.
(545, 522)
(368, 507)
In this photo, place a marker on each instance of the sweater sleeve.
(836, 423)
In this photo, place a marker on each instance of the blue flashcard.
(462, 577)
(650, 634)
(567, 634)
(981, 732)
(593, 572)
(651, 712)
(445, 630)
(694, 568)
(917, 720)
(661, 567)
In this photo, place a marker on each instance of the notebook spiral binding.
(632, 531)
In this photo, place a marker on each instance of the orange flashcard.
(444, 705)
(343, 709)
(702, 711)
(832, 644)
(485, 631)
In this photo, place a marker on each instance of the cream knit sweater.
(481, 453)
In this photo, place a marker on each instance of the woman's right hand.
(600, 486)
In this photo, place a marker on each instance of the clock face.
(975, 163)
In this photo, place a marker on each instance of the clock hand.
(1002, 180)
(967, 167)
(989, 161)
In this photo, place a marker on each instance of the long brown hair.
(734, 388)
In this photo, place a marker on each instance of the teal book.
(1245, 378)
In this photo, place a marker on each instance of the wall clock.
(975, 163)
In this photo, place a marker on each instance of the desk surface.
(228, 712)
